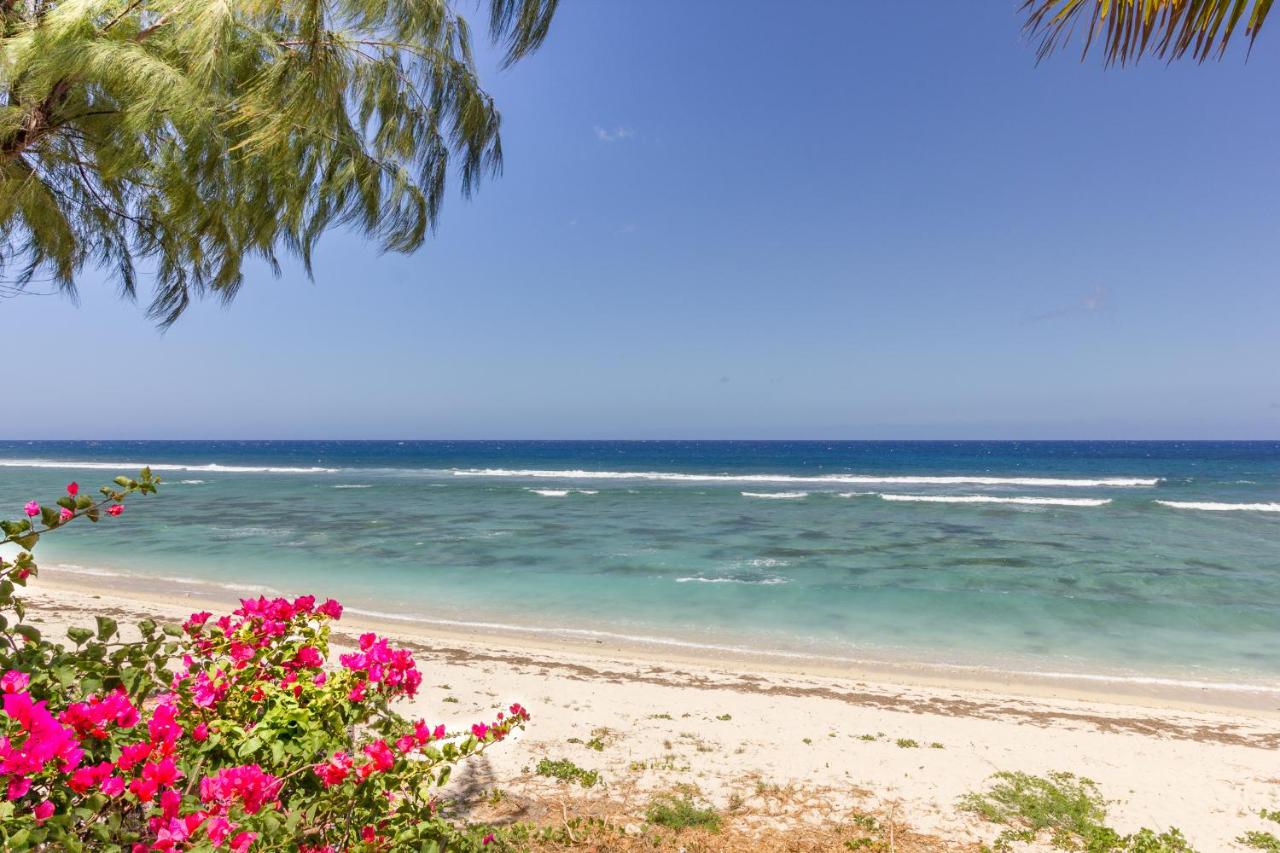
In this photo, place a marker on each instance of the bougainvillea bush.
(224, 733)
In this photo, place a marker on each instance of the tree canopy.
(183, 137)
(1126, 30)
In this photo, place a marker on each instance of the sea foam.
(671, 476)
(747, 581)
(1221, 507)
(991, 499)
(781, 496)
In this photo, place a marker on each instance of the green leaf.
(79, 635)
(107, 628)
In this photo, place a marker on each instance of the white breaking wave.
(782, 496)
(560, 493)
(989, 499)
(71, 568)
(247, 532)
(760, 582)
(232, 587)
(192, 482)
(960, 480)
(354, 486)
(1221, 507)
(855, 494)
(126, 466)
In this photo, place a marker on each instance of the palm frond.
(1126, 30)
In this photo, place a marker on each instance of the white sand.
(1164, 761)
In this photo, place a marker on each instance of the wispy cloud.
(1092, 302)
(618, 134)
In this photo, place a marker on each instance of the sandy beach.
(778, 743)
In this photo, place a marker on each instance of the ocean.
(1129, 561)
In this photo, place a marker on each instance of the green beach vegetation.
(1066, 810)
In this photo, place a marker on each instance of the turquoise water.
(1120, 558)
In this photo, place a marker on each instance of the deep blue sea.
(1122, 559)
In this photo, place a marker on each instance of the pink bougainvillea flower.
(330, 608)
(309, 656)
(480, 730)
(249, 784)
(115, 509)
(73, 488)
(32, 509)
(207, 692)
(201, 732)
(65, 514)
(487, 840)
(13, 681)
(132, 755)
(241, 842)
(218, 828)
(43, 812)
(335, 770)
(381, 755)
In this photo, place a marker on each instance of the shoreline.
(741, 731)
(1136, 690)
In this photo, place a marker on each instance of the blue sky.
(813, 220)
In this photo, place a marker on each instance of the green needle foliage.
(184, 136)
(1127, 29)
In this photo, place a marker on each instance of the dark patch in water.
(1007, 562)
